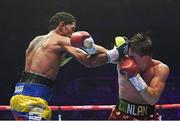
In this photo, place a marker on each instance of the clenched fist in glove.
(119, 51)
(128, 67)
(83, 40)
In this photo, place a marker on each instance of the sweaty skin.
(153, 72)
(45, 54)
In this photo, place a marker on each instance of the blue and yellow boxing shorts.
(30, 101)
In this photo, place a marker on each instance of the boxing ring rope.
(92, 107)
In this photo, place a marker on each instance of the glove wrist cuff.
(88, 43)
(90, 51)
(112, 55)
(138, 82)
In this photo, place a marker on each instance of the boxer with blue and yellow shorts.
(31, 97)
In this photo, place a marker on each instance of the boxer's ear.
(61, 24)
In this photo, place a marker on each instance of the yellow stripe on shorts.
(22, 103)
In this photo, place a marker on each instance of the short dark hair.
(61, 16)
(141, 44)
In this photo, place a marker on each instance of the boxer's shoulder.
(159, 64)
(160, 67)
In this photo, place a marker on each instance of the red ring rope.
(94, 107)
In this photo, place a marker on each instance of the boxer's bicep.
(85, 59)
(77, 53)
(156, 86)
(159, 80)
(153, 92)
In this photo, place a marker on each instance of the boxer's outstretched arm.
(83, 40)
(100, 49)
(85, 59)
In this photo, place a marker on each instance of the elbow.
(151, 96)
(90, 64)
(153, 101)
(87, 64)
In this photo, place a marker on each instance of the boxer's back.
(44, 55)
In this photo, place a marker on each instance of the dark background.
(22, 20)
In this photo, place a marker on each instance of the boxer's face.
(68, 29)
(138, 59)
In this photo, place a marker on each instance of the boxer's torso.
(128, 92)
(44, 55)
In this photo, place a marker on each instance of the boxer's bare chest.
(127, 90)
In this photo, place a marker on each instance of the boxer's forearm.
(96, 60)
(100, 49)
(77, 53)
(150, 95)
(85, 59)
(156, 87)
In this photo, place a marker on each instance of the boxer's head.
(141, 44)
(140, 48)
(64, 22)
